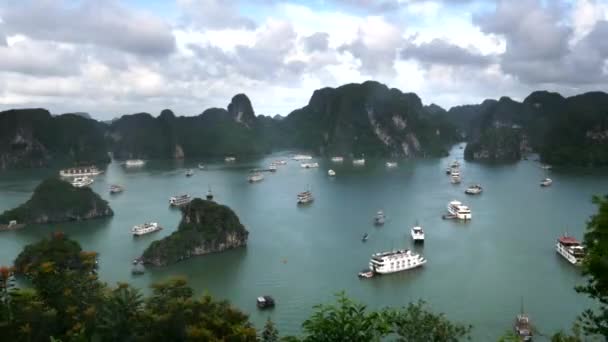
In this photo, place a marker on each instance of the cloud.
(100, 23)
(439, 51)
(213, 14)
(316, 42)
(39, 58)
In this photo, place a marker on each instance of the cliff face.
(34, 138)
(206, 227)
(55, 201)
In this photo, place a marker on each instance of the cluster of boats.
(80, 177)
(454, 172)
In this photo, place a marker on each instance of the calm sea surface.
(476, 272)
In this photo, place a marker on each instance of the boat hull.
(387, 271)
(561, 250)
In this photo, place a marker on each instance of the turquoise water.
(476, 271)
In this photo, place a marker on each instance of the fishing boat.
(305, 197)
(189, 173)
(255, 177)
(265, 302)
(474, 190)
(391, 165)
(395, 261)
(359, 162)
(337, 159)
(417, 233)
(81, 182)
(331, 173)
(209, 195)
(571, 249)
(365, 237)
(135, 163)
(459, 210)
(116, 189)
(546, 182)
(379, 218)
(522, 325)
(178, 201)
(84, 171)
(146, 228)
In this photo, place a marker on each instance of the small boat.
(391, 165)
(379, 218)
(280, 162)
(395, 261)
(116, 189)
(522, 326)
(201, 166)
(309, 165)
(365, 237)
(546, 167)
(12, 225)
(546, 182)
(337, 159)
(85, 171)
(135, 163)
(448, 171)
(209, 195)
(455, 164)
(417, 233)
(455, 179)
(474, 190)
(81, 182)
(300, 157)
(331, 173)
(146, 228)
(272, 168)
(265, 302)
(359, 162)
(570, 249)
(255, 177)
(305, 197)
(459, 210)
(189, 173)
(138, 269)
(230, 159)
(366, 274)
(178, 201)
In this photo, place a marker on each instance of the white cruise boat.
(255, 177)
(189, 173)
(201, 166)
(300, 157)
(459, 210)
(116, 189)
(337, 159)
(272, 167)
(305, 197)
(230, 159)
(146, 228)
(135, 163)
(455, 179)
(309, 165)
(570, 249)
(546, 182)
(280, 162)
(391, 165)
(474, 190)
(395, 261)
(85, 171)
(81, 182)
(417, 233)
(331, 173)
(178, 201)
(359, 162)
(379, 219)
(455, 164)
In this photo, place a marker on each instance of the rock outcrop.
(56, 201)
(206, 227)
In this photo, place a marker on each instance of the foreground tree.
(595, 267)
(416, 323)
(270, 332)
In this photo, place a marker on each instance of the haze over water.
(476, 271)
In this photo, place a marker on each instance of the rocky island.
(56, 201)
(206, 227)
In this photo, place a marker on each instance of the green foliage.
(509, 336)
(595, 267)
(62, 252)
(270, 332)
(416, 323)
(496, 144)
(55, 200)
(204, 223)
(120, 315)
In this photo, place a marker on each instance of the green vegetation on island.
(55, 200)
(206, 227)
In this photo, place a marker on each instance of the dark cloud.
(316, 42)
(214, 14)
(101, 23)
(439, 51)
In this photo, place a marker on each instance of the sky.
(114, 57)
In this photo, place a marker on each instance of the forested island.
(206, 227)
(55, 201)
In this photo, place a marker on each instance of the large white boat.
(255, 177)
(305, 197)
(474, 190)
(84, 171)
(570, 249)
(300, 157)
(178, 201)
(459, 210)
(337, 159)
(230, 159)
(391, 164)
(359, 162)
(417, 233)
(309, 165)
(331, 173)
(455, 179)
(455, 164)
(81, 182)
(135, 163)
(546, 182)
(455, 172)
(146, 228)
(395, 261)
